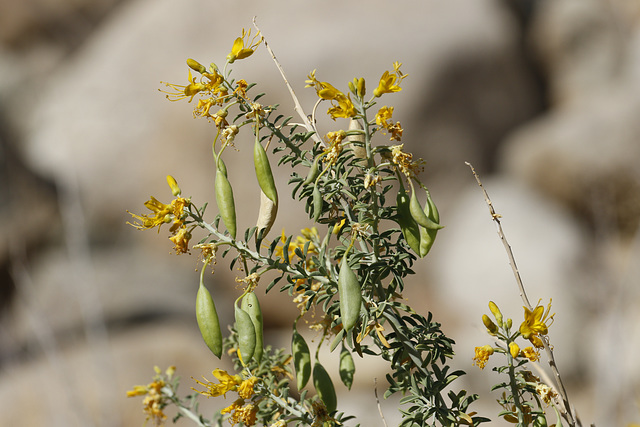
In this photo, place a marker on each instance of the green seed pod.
(263, 172)
(347, 368)
(208, 322)
(428, 236)
(350, 295)
(317, 203)
(409, 227)
(314, 170)
(224, 198)
(324, 387)
(246, 334)
(419, 215)
(266, 215)
(251, 305)
(301, 359)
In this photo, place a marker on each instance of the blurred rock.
(580, 44)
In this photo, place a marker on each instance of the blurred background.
(542, 97)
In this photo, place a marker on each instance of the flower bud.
(488, 323)
(514, 349)
(361, 89)
(496, 312)
(196, 66)
(175, 190)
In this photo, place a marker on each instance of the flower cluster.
(342, 106)
(242, 410)
(161, 213)
(154, 399)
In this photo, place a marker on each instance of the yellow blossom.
(184, 91)
(226, 383)
(308, 235)
(154, 400)
(245, 389)
(404, 161)
(388, 81)
(545, 392)
(239, 51)
(384, 115)
(482, 356)
(181, 240)
(535, 323)
(342, 107)
(531, 353)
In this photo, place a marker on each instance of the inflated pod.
(251, 306)
(317, 203)
(246, 334)
(409, 227)
(350, 295)
(347, 368)
(358, 148)
(263, 172)
(301, 359)
(419, 215)
(324, 387)
(428, 236)
(266, 215)
(224, 199)
(208, 322)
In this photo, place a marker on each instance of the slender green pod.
(251, 306)
(314, 171)
(208, 322)
(350, 295)
(408, 225)
(419, 215)
(224, 198)
(324, 387)
(301, 359)
(347, 367)
(263, 172)
(428, 236)
(317, 203)
(246, 334)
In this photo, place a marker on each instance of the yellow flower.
(226, 383)
(482, 356)
(384, 115)
(383, 119)
(161, 214)
(181, 240)
(184, 91)
(154, 400)
(388, 81)
(308, 235)
(404, 161)
(341, 103)
(241, 413)
(535, 324)
(238, 51)
(545, 392)
(245, 389)
(531, 353)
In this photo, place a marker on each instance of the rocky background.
(542, 97)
